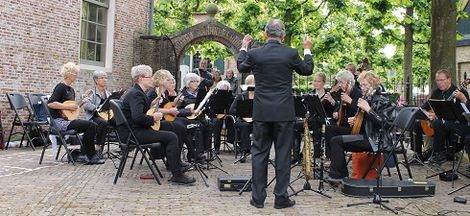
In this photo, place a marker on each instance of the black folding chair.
(131, 141)
(403, 123)
(55, 131)
(18, 104)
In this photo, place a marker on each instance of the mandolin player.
(92, 102)
(445, 90)
(63, 93)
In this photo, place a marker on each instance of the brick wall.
(37, 37)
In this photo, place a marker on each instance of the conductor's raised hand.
(307, 43)
(246, 41)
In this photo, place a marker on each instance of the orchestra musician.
(375, 117)
(91, 103)
(346, 108)
(64, 92)
(244, 126)
(165, 88)
(445, 90)
(135, 105)
(218, 122)
(193, 87)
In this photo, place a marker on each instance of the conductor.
(273, 107)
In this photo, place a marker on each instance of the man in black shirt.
(64, 92)
(135, 105)
(442, 129)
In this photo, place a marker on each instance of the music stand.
(313, 105)
(244, 110)
(447, 111)
(220, 105)
(106, 107)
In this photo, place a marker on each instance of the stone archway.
(167, 51)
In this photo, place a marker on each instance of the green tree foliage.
(343, 31)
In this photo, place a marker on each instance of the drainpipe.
(150, 18)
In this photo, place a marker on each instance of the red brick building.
(37, 37)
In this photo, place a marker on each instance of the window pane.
(83, 49)
(98, 52)
(91, 51)
(102, 15)
(91, 32)
(101, 34)
(92, 13)
(84, 28)
(85, 10)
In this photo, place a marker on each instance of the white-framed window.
(93, 32)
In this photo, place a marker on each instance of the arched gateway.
(167, 51)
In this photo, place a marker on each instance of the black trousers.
(340, 144)
(169, 141)
(202, 134)
(101, 130)
(264, 134)
(217, 128)
(88, 128)
(244, 131)
(332, 131)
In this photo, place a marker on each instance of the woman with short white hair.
(223, 85)
(64, 92)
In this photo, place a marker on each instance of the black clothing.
(244, 129)
(376, 119)
(61, 93)
(272, 66)
(135, 105)
(442, 130)
(350, 110)
(273, 111)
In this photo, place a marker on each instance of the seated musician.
(91, 103)
(165, 88)
(328, 103)
(230, 77)
(375, 118)
(346, 108)
(219, 121)
(446, 90)
(64, 92)
(194, 87)
(244, 126)
(135, 105)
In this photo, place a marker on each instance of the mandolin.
(151, 111)
(172, 104)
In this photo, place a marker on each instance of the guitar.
(106, 115)
(151, 111)
(71, 115)
(199, 109)
(172, 104)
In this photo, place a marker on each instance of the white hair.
(250, 80)
(345, 76)
(223, 85)
(69, 68)
(98, 73)
(140, 70)
(190, 77)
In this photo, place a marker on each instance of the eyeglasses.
(193, 81)
(147, 77)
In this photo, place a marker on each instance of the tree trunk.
(408, 58)
(443, 37)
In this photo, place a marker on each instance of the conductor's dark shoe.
(257, 205)
(283, 203)
(180, 178)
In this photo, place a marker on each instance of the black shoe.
(334, 182)
(181, 178)
(257, 205)
(185, 167)
(95, 160)
(283, 203)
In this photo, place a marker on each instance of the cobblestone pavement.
(56, 188)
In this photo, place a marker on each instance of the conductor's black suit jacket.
(273, 65)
